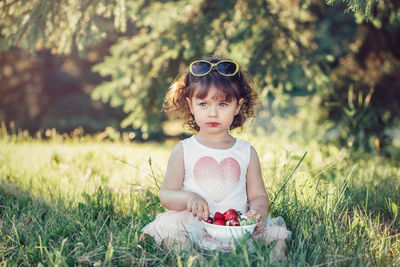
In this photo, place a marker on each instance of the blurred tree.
(372, 10)
(61, 26)
(44, 91)
(365, 77)
(273, 39)
(289, 47)
(51, 87)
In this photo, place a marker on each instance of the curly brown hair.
(237, 86)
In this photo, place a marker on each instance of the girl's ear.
(190, 104)
(240, 103)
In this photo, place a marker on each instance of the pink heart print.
(217, 180)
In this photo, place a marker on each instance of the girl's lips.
(213, 124)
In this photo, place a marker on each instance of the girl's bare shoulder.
(177, 152)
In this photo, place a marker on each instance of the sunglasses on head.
(204, 67)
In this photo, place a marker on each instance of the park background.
(84, 142)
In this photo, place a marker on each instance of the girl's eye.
(223, 104)
(203, 104)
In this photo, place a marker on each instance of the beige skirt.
(182, 225)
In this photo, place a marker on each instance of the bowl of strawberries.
(229, 225)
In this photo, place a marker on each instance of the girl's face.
(213, 114)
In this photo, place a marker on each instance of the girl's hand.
(260, 219)
(198, 206)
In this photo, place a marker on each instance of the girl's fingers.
(200, 212)
(198, 208)
(251, 213)
(257, 216)
(194, 209)
(206, 213)
(189, 206)
(260, 225)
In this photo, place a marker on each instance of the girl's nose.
(212, 111)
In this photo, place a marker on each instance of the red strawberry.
(230, 215)
(219, 222)
(218, 216)
(234, 222)
(209, 220)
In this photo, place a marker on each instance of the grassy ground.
(82, 201)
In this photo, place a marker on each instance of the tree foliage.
(350, 59)
(372, 10)
(365, 100)
(59, 25)
(273, 41)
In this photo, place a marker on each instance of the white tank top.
(217, 175)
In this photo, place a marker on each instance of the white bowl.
(227, 233)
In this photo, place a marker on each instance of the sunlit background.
(80, 67)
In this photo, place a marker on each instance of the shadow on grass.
(353, 223)
(97, 230)
(103, 228)
(380, 197)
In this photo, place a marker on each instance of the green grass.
(82, 201)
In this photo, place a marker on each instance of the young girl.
(212, 171)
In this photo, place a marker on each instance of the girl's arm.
(171, 195)
(258, 199)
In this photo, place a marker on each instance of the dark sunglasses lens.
(200, 68)
(227, 68)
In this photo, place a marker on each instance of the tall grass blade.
(152, 174)
(109, 253)
(151, 168)
(290, 176)
(344, 188)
